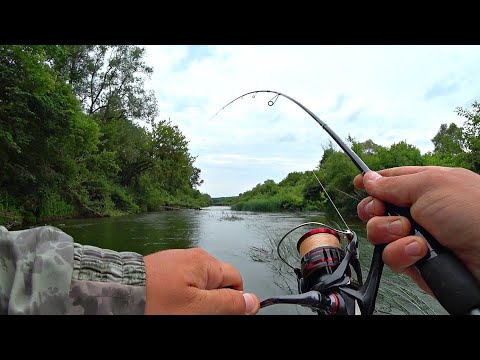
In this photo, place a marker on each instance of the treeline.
(78, 136)
(223, 201)
(300, 191)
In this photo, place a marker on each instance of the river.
(245, 240)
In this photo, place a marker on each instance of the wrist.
(152, 290)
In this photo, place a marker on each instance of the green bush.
(54, 206)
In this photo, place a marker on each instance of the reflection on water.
(143, 234)
(247, 241)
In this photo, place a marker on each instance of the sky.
(384, 93)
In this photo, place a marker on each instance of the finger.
(369, 207)
(252, 303)
(403, 170)
(358, 182)
(222, 275)
(405, 252)
(396, 171)
(401, 190)
(385, 229)
(229, 302)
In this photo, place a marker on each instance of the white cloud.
(386, 93)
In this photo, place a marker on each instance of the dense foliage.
(300, 191)
(78, 136)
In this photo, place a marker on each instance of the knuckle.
(376, 230)
(200, 255)
(435, 174)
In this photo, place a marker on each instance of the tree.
(449, 140)
(471, 133)
(368, 151)
(70, 142)
(132, 145)
(399, 154)
(335, 172)
(449, 148)
(195, 179)
(107, 79)
(38, 113)
(173, 165)
(327, 152)
(292, 179)
(71, 63)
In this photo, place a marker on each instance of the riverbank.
(15, 221)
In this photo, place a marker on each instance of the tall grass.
(276, 203)
(54, 206)
(10, 212)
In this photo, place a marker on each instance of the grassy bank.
(55, 207)
(276, 203)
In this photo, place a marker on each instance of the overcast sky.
(384, 93)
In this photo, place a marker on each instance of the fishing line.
(326, 193)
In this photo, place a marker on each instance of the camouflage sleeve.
(107, 282)
(43, 271)
(35, 271)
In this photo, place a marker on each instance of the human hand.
(190, 281)
(445, 201)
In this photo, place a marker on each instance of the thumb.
(230, 302)
(400, 190)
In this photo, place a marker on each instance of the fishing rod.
(324, 280)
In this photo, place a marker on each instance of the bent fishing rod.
(324, 280)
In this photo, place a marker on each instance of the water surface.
(247, 241)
